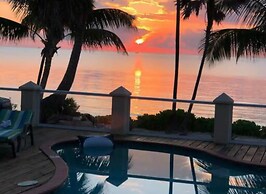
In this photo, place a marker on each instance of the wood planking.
(241, 152)
(244, 153)
(26, 171)
(259, 155)
(233, 151)
(263, 161)
(203, 145)
(250, 153)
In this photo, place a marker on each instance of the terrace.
(33, 164)
(44, 166)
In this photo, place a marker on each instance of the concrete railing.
(121, 100)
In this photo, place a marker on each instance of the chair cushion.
(9, 134)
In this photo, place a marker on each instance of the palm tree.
(89, 28)
(11, 30)
(41, 16)
(216, 11)
(249, 41)
(175, 88)
(213, 14)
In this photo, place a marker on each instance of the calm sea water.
(143, 75)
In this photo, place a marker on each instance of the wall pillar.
(30, 100)
(223, 119)
(120, 111)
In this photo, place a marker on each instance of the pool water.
(138, 168)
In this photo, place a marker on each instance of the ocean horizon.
(143, 74)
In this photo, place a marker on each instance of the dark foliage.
(161, 122)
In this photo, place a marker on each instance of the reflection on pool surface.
(137, 168)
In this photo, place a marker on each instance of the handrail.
(75, 92)
(172, 100)
(239, 104)
(10, 89)
(255, 105)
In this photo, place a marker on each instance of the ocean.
(143, 74)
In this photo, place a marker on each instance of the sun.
(138, 73)
(139, 41)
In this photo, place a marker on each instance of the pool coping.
(61, 168)
(211, 153)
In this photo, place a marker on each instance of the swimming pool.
(141, 168)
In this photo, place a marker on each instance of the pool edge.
(211, 153)
(61, 168)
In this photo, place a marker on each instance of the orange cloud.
(156, 20)
(5, 11)
(147, 7)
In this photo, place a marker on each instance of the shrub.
(164, 120)
(70, 107)
(146, 121)
(244, 127)
(263, 132)
(103, 119)
(203, 124)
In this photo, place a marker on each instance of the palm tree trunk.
(48, 53)
(70, 74)
(46, 72)
(56, 101)
(210, 19)
(210, 8)
(175, 89)
(40, 70)
(200, 70)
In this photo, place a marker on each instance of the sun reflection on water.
(137, 82)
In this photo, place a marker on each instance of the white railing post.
(223, 119)
(120, 111)
(30, 100)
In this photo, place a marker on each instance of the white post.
(223, 119)
(30, 100)
(120, 111)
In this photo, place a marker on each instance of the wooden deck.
(32, 164)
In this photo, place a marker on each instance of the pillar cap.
(223, 99)
(121, 91)
(30, 86)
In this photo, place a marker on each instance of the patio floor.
(32, 164)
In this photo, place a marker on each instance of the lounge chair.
(19, 127)
(4, 114)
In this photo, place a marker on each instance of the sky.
(155, 22)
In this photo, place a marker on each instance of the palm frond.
(20, 7)
(32, 23)
(254, 13)
(229, 7)
(41, 15)
(97, 38)
(228, 43)
(72, 10)
(189, 7)
(11, 30)
(114, 18)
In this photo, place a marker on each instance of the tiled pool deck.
(33, 164)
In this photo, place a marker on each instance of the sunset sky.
(155, 22)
